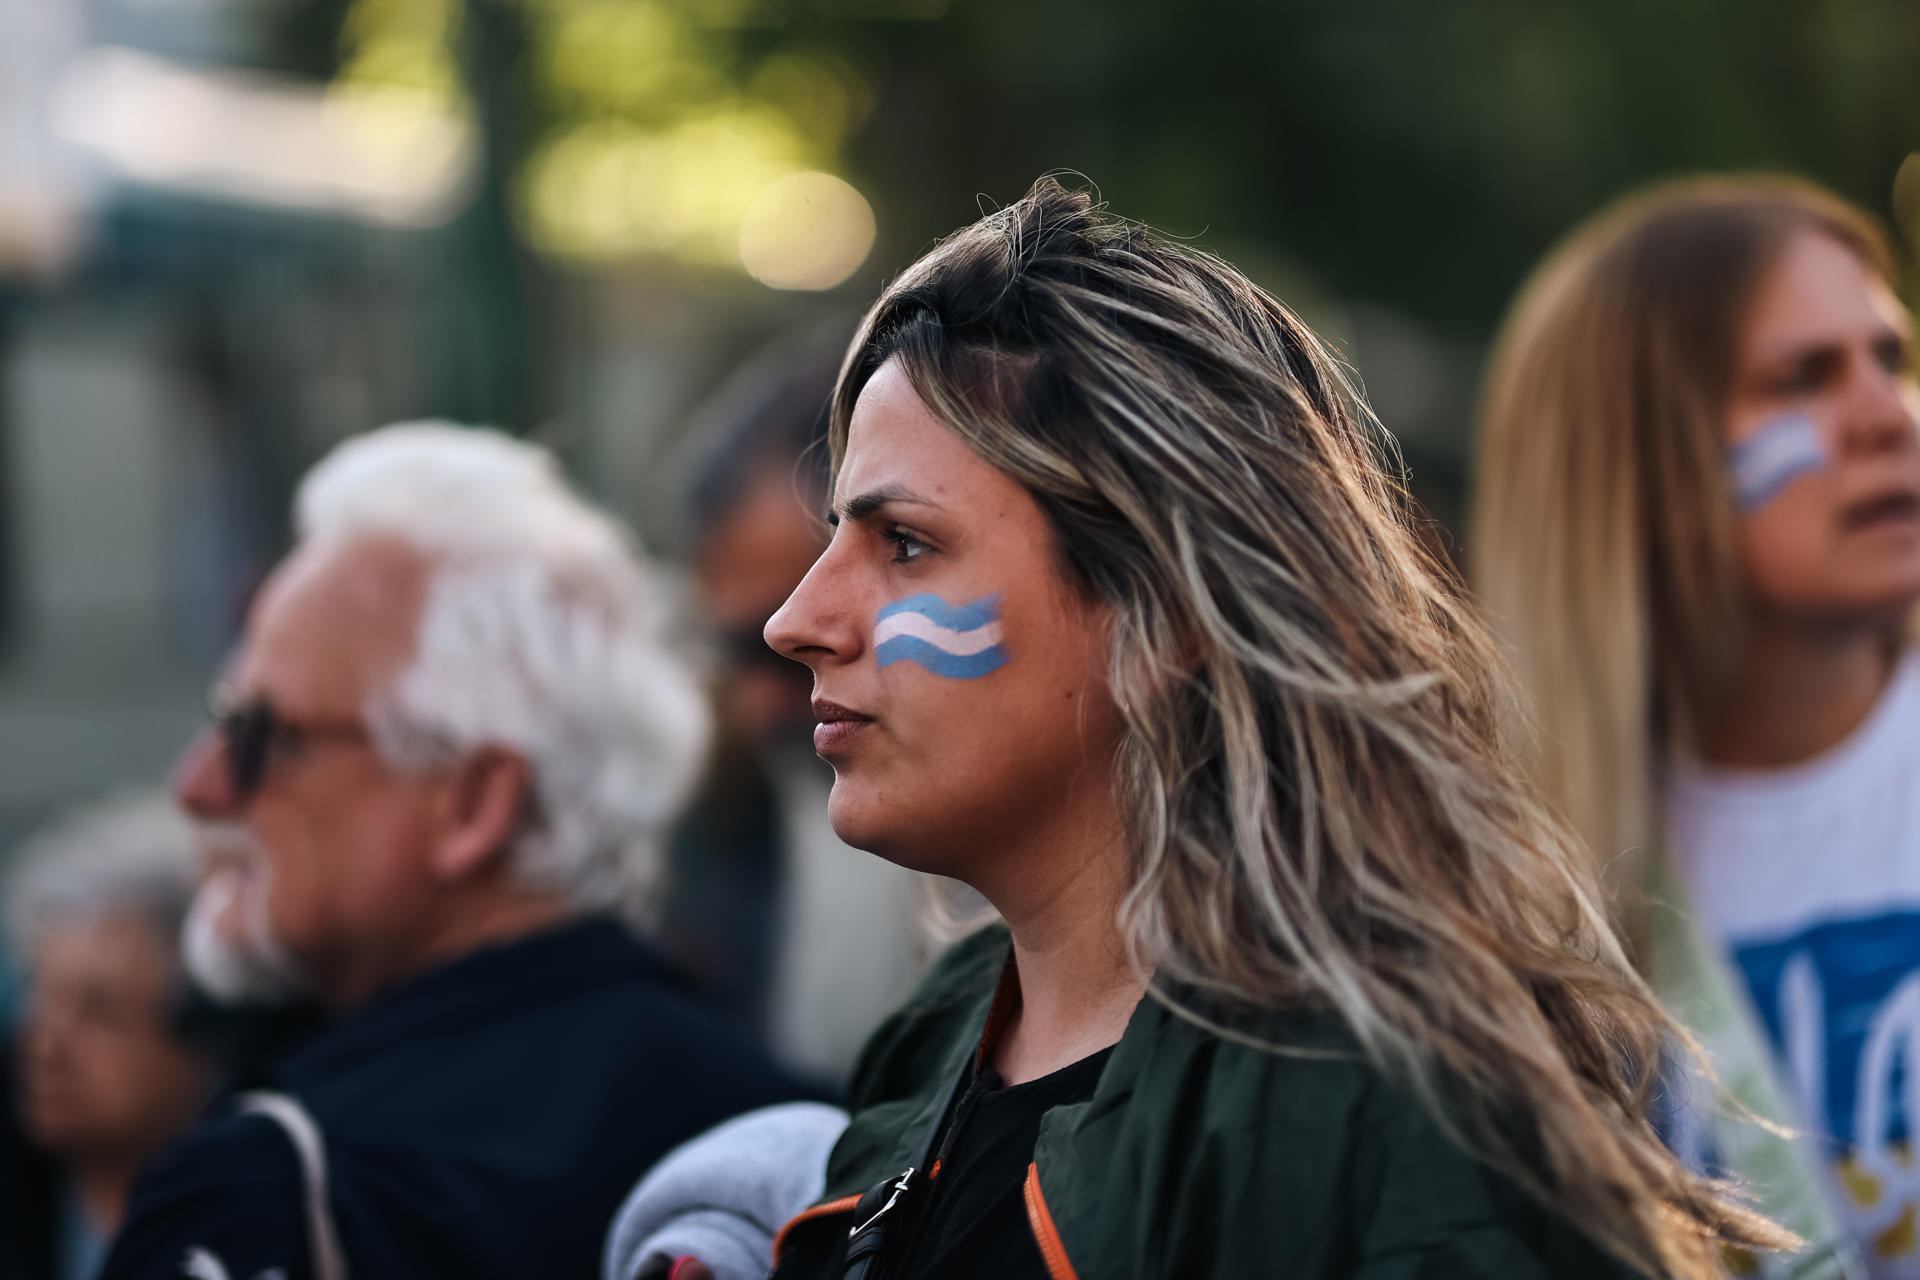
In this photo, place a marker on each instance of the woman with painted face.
(1122, 624)
(1698, 527)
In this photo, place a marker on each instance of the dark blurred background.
(233, 231)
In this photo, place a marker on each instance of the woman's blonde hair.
(1322, 807)
(1601, 540)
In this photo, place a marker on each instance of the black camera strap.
(892, 1207)
(887, 1216)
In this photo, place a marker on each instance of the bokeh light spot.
(610, 190)
(1906, 195)
(806, 231)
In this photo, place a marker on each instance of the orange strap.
(844, 1204)
(1006, 1000)
(1052, 1250)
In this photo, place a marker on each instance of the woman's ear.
(488, 796)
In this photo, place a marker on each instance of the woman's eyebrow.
(1799, 349)
(860, 507)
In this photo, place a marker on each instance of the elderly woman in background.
(95, 908)
(1698, 532)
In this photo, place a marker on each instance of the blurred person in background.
(1698, 529)
(815, 940)
(1122, 624)
(442, 760)
(106, 1079)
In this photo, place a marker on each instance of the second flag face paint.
(1772, 458)
(959, 641)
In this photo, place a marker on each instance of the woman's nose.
(1881, 411)
(815, 624)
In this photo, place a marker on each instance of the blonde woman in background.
(1698, 530)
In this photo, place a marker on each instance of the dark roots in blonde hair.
(1322, 809)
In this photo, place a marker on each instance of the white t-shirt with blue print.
(1811, 877)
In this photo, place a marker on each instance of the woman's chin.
(854, 816)
(1890, 601)
(883, 831)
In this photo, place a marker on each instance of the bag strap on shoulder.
(294, 1120)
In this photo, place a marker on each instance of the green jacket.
(1199, 1157)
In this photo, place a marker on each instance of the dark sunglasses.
(250, 730)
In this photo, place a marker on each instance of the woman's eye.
(905, 546)
(1809, 374)
(1799, 381)
(1892, 355)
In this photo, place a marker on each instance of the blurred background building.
(233, 231)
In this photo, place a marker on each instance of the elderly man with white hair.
(439, 772)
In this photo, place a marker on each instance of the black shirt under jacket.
(976, 1220)
(482, 1120)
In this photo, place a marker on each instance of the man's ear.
(487, 799)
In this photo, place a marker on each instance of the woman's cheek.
(961, 641)
(949, 673)
(1784, 552)
(1777, 470)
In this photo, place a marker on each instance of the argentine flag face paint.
(960, 641)
(1772, 458)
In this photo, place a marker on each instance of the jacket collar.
(487, 985)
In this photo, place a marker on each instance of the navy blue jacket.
(482, 1120)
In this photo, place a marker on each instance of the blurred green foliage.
(1418, 151)
(1418, 154)
(1421, 152)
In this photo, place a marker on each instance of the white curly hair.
(543, 631)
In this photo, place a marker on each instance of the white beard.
(227, 942)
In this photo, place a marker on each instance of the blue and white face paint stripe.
(959, 641)
(1774, 457)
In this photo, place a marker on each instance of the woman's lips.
(1890, 509)
(837, 725)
